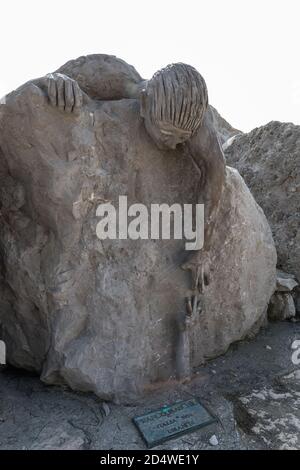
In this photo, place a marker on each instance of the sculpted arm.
(205, 150)
(175, 109)
(97, 76)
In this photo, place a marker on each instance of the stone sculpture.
(118, 317)
(174, 106)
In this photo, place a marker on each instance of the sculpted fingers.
(64, 92)
(78, 97)
(69, 96)
(52, 92)
(61, 93)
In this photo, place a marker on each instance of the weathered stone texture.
(103, 316)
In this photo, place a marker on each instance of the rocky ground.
(254, 391)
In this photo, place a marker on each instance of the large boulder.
(105, 315)
(268, 158)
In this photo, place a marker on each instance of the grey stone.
(64, 437)
(268, 158)
(213, 440)
(285, 282)
(225, 131)
(272, 412)
(107, 316)
(281, 307)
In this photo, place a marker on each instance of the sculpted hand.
(199, 265)
(64, 92)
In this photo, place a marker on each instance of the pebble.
(213, 440)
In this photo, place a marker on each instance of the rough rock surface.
(281, 307)
(224, 129)
(103, 316)
(268, 158)
(285, 282)
(273, 412)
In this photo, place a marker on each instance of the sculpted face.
(173, 103)
(164, 134)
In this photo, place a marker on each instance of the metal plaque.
(172, 420)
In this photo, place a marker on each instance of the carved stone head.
(173, 104)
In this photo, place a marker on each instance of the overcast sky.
(247, 50)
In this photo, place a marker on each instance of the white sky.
(247, 50)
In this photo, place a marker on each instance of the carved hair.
(178, 95)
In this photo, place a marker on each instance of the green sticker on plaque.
(172, 421)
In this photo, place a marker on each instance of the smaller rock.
(285, 282)
(289, 310)
(281, 307)
(213, 440)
